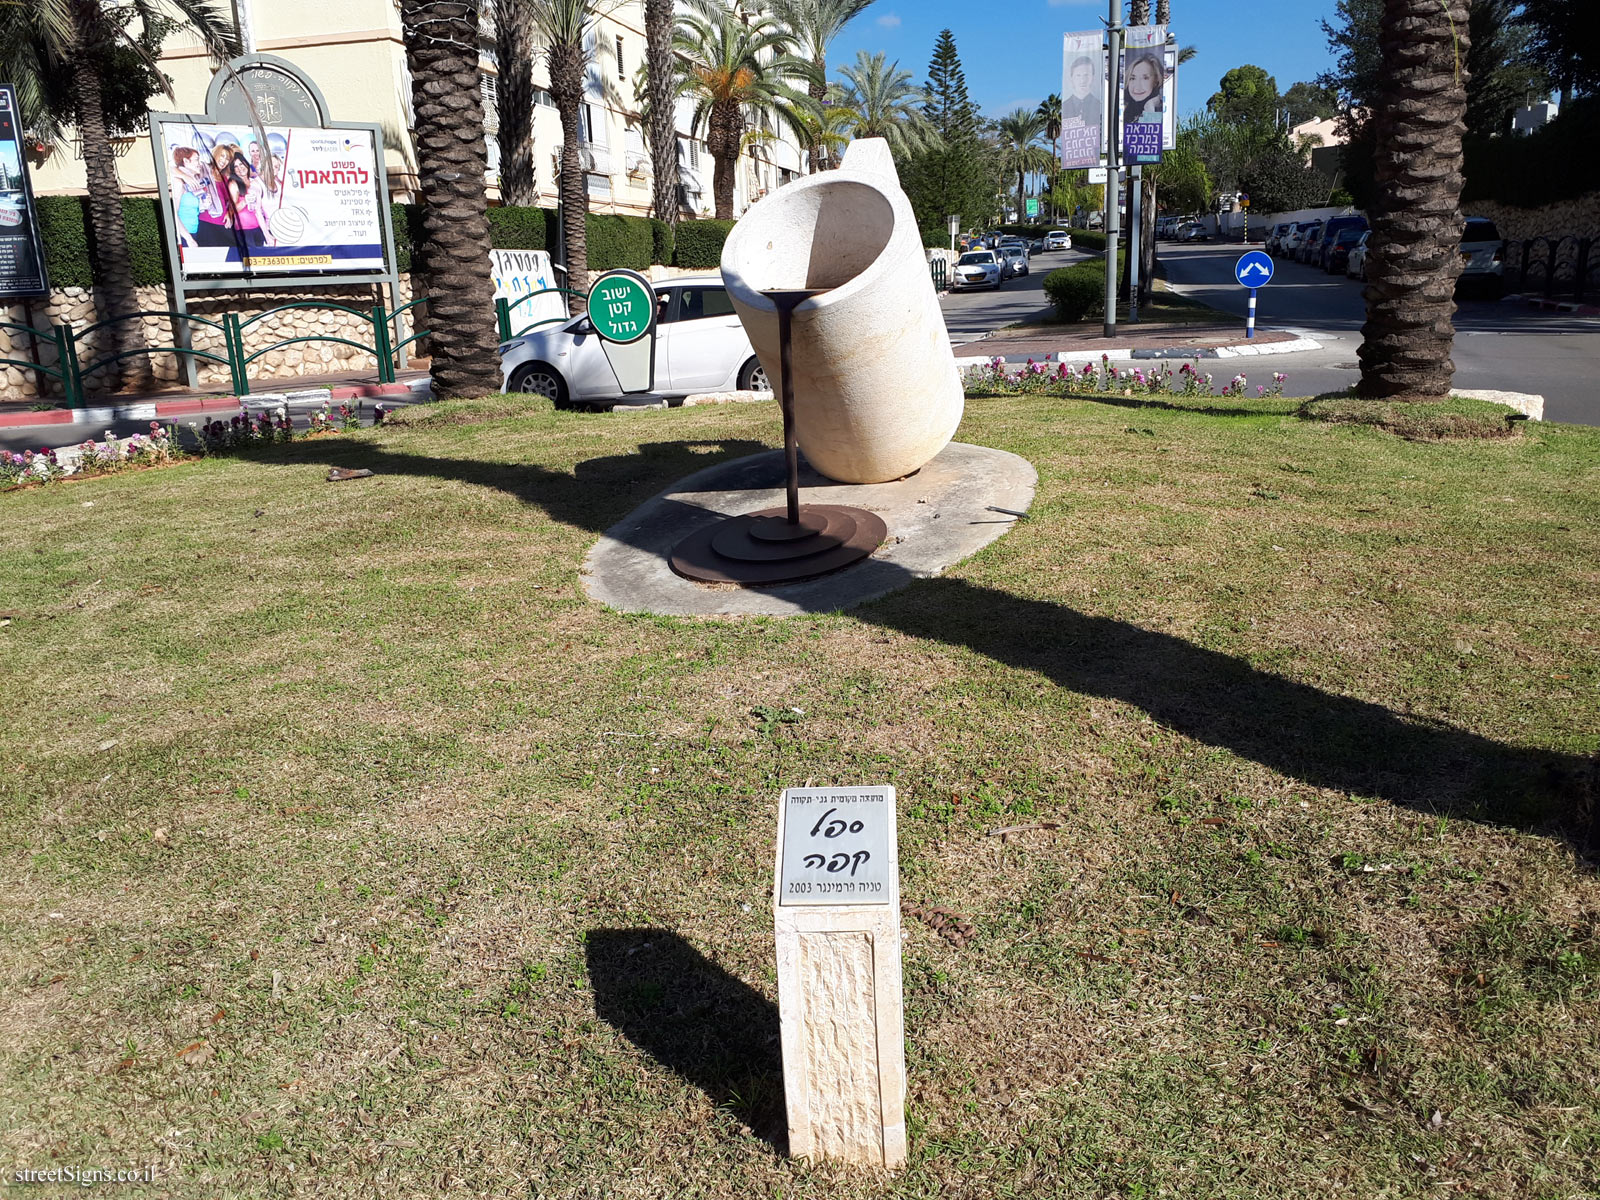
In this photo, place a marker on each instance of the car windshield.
(976, 259)
(1480, 230)
(1058, 233)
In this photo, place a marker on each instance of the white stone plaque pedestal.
(836, 901)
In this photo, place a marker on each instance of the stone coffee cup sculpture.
(876, 389)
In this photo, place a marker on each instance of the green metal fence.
(937, 269)
(386, 346)
(65, 370)
(503, 309)
(73, 363)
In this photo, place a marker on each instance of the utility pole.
(1113, 162)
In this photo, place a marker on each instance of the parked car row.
(1339, 246)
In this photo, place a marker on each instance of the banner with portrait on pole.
(1147, 109)
(1083, 101)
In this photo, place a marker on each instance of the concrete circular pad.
(936, 517)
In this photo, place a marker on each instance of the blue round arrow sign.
(1253, 269)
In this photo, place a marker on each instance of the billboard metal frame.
(183, 288)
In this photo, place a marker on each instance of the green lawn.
(349, 850)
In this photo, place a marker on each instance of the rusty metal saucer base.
(762, 548)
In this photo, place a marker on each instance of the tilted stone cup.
(876, 389)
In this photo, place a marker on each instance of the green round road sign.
(622, 306)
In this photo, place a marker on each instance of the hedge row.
(68, 237)
(700, 244)
(1076, 291)
(1560, 161)
(1089, 239)
(614, 241)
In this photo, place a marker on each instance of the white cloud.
(890, 20)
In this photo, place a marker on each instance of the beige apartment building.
(354, 51)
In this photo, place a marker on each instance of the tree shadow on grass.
(713, 1030)
(1318, 737)
(1305, 733)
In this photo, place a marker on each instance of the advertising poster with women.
(21, 256)
(306, 202)
(1083, 101)
(1147, 110)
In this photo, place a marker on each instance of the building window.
(622, 71)
(489, 86)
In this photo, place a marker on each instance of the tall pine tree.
(950, 178)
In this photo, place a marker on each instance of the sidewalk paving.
(177, 402)
(1209, 339)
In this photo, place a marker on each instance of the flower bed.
(160, 446)
(1104, 378)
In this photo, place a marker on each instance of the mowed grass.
(348, 850)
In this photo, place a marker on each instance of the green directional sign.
(622, 306)
(1033, 206)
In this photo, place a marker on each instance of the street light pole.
(1113, 163)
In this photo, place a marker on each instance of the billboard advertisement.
(1148, 122)
(1083, 101)
(21, 255)
(519, 273)
(307, 202)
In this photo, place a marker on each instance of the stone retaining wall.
(79, 307)
(1569, 218)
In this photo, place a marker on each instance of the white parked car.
(1483, 256)
(1058, 239)
(701, 346)
(1356, 265)
(976, 268)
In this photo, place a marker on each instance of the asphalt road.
(1499, 344)
(970, 315)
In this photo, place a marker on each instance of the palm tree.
(660, 85)
(1020, 151)
(441, 39)
(79, 37)
(1138, 12)
(566, 26)
(1050, 109)
(887, 104)
(740, 70)
(827, 129)
(1412, 255)
(814, 24)
(513, 39)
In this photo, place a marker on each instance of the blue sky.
(1011, 52)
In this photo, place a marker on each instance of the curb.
(49, 416)
(1127, 353)
(420, 389)
(1551, 305)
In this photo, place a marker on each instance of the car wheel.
(540, 379)
(753, 376)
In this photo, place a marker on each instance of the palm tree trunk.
(566, 89)
(442, 51)
(723, 137)
(513, 25)
(663, 126)
(1413, 253)
(818, 92)
(1163, 12)
(1139, 12)
(113, 266)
